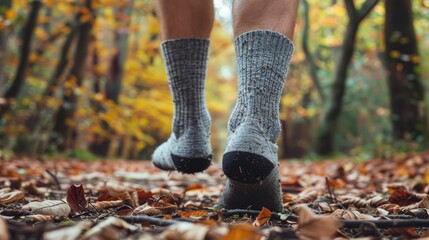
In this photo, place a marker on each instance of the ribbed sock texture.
(250, 160)
(186, 66)
(263, 59)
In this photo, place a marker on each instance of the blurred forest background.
(85, 78)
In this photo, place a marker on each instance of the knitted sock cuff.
(274, 45)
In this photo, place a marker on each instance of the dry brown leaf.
(326, 207)
(351, 215)
(191, 204)
(105, 204)
(391, 208)
(242, 231)
(127, 199)
(49, 207)
(10, 197)
(147, 210)
(185, 231)
(76, 198)
(311, 226)
(32, 189)
(115, 189)
(108, 229)
(287, 198)
(39, 218)
(376, 201)
(403, 197)
(157, 208)
(68, 233)
(262, 218)
(144, 197)
(168, 196)
(306, 197)
(198, 213)
(355, 201)
(4, 232)
(424, 203)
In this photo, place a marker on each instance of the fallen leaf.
(10, 197)
(115, 189)
(157, 208)
(167, 196)
(146, 209)
(262, 218)
(109, 229)
(49, 207)
(76, 198)
(287, 198)
(351, 215)
(39, 218)
(32, 189)
(191, 204)
(306, 197)
(185, 231)
(107, 197)
(391, 208)
(311, 226)
(376, 201)
(403, 197)
(424, 203)
(198, 213)
(128, 199)
(105, 204)
(355, 201)
(4, 232)
(68, 233)
(144, 197)
(242, 231)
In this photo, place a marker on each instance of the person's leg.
(185, 29)
(263, 30)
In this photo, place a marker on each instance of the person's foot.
(251, 166)
(188, 149)
(250, 160)
(191, 153)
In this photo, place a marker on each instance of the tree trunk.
(18, 82)
(313, 68)
(32, 143)
(4, 4)
(64, 132)
(403, 72)
(327, 131)
(101, 144)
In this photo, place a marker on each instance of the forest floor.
(132, 200)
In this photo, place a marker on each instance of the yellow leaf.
(395, 54)
(10, 14)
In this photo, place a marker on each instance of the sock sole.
(246, 167)
(191, 165)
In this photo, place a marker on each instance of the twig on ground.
(151, 220)
(397, 223)
(54, 177)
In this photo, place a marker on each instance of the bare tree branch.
(366, 8)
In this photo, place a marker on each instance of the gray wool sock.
(188, 149)
(250, 160)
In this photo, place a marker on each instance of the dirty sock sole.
(246, 167)
(191, 165)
